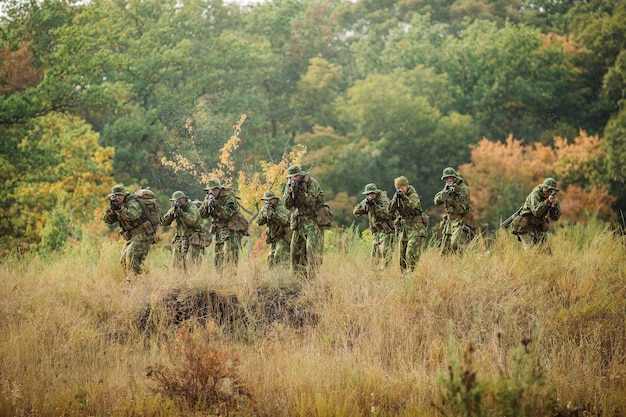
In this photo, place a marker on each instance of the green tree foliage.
(63, 176)
(512, 80)
(410, 134)
(317, 91)
(374, 89)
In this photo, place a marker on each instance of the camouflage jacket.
(377, 214)
(223, 209)
(456, 203)
(130, 217)
(408, 215)
(305, 199)
(188, 220)
(277, 220)
(539, 207)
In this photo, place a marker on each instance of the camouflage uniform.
(221, 209)
(409, 223)
(532, 223)
(305, 197)
(134, 227)
(380, 222)
(278, 233)
(189, 234)
(456, 226)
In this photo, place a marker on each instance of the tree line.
(508, 91)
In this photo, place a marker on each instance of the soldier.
(304, 195)
(376, 206)
(457, 227)
(221, 205)
(542, 205)
(409, 223)
(139, 233)
(189, 234)
(278, 234)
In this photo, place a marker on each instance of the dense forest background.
(507, 91)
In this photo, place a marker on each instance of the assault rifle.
(369, 202)
(399, 195)
(553, 193)
(505, 224)
(294, 187)
(113, 203)
(451, 189)
(211, 202)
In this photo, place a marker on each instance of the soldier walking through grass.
(278, 233)
(189, 237)
(410, 224)
(304, 195)
(376, 206)
(456, 227)
(532, 222)
(125, 210)
(227, 224)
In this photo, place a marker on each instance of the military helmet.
(118, 189)
(401, 181)
(549, 183)
(177, 195)
(212, 184)
(268, 195)
(449, 172)
(371, 188)
(294, 170)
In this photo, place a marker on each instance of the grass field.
(496, 332)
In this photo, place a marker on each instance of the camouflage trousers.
(455, 235)
(411, 245)
(534, 237)
(226, 251)
(279, 254)
(135, 251)
(382, 248)
(184, 254)
(307, 248)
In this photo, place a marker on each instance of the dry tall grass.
(78, 341)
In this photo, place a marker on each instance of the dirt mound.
(179, 306)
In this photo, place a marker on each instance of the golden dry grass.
(78, 341)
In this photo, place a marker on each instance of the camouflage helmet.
(294, 170)
(118, 189)
(449, 172)
(549, 183)
(212, 184)
(268, 195)
(177, 195)
(401, 181)
(371, 188)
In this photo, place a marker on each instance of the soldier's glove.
(115, 206)
(370, 201)
(177, 208)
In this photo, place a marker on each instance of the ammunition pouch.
(293, 221)
(386, 227)
(324, 216)
(199, 239)
(238, 223)
(521, 224)
(144, 227)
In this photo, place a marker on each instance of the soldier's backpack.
(149, 206)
